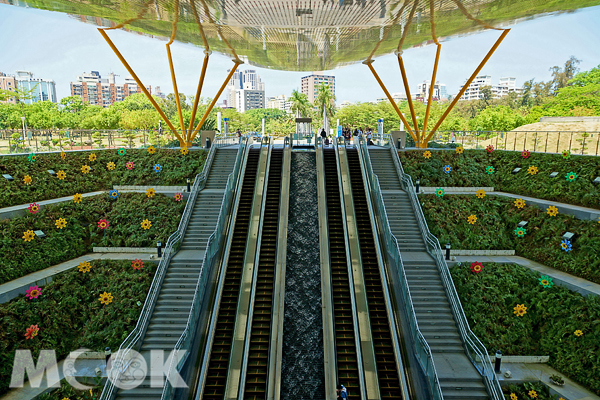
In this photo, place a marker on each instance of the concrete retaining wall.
(482, 252)
(151, 250)
(570, 119)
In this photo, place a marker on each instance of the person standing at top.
(369, 135)
(323, 133)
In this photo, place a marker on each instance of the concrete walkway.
(560, 278)
(12, 289)
(584, 213)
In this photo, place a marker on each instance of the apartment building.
(310, 83)
(95, 90)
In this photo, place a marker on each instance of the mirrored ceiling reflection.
(305, 35)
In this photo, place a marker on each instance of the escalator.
(217, 370)
(385, 356)
(255, 387)
(345, 339)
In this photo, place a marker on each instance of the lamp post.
(448, 251)
(188, 184)
(418, 182)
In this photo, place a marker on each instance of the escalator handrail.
(477, 352)
(423, 354)
(210, 255)
(123, 357)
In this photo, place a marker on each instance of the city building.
(8, 82)
(310, 83)
(439, 91)
(397, 97)
(39, 89)
(95, 90)
(159, 93)
(503, 88)
(244, 80)
(280, 102)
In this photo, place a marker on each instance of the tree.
(325, 101)
(486, 97)
(586, 78)
(562, 76)
(300, 104)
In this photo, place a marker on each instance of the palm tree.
(300, 104)
(325, 103)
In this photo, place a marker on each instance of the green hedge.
(522, 391)
(124, 216)
(70, 315)
(175, 169)
(494, 230)
(553, 315)
(468, 170)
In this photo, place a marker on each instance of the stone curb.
(482, 252)
(454, 189)
(158, 189)
(151, 250)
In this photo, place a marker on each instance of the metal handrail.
(121, 362)
(476, 351)
(210, 256)
(422, 349)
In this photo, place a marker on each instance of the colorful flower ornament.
(552, 211)
(566, 154)
(151, 150)
(520, 232)
(480, 193)
(92, 157)
(489, 148)
(84, 267)
(533, 394)
(32, 157)
(130, 165)
(157, 168)
(476, 267)
(489, 169)
(103, 224)
(33, 208)
(150, 192)
(86, 169)
(122, 151)
(28, 235)
(566, 245)
(60, 223)
(146, 224)
(114, 194)
(439, 192)
(447, 169)
(526, 154)
(513, 396)
(63, 155)
(33, 292)
(111, 166)
(546, 281)
(578, 332)
(571, 176)
(427, 154)
(137, 264)
(61, 175)
(520, 310)
(459, 150)
(31, 332)
(184, 150)
(178, 196)
(532, 170)
(27, 179)
(77, 198)
(472, 219)
(519, 203)
(106, 298)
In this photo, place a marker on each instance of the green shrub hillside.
(81, 232)
(550, 326)
(175, 169)
(497, 218)
(70, 316)
(469, 170)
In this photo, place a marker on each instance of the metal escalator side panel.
(329, 351)
(243, 314)
(367, 349)
(238, 226)
(276, 345)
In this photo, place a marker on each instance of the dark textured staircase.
(458, 377)
(172, 309)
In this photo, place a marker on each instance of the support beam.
(466, 85)
(435, 66)
(139, 83)
(197, 98)
(389, 96)
(409, 98)
(216, 98)
(177, 100)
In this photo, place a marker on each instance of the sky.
(58, 47)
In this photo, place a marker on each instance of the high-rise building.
(8, 82)
(41, 89)
(280, 102)
(439, 91)
(103, 92)
(245, 80)
(310, 83)
(505, 86)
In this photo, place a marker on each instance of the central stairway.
(458, 377)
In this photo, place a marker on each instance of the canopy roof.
(305, 35)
